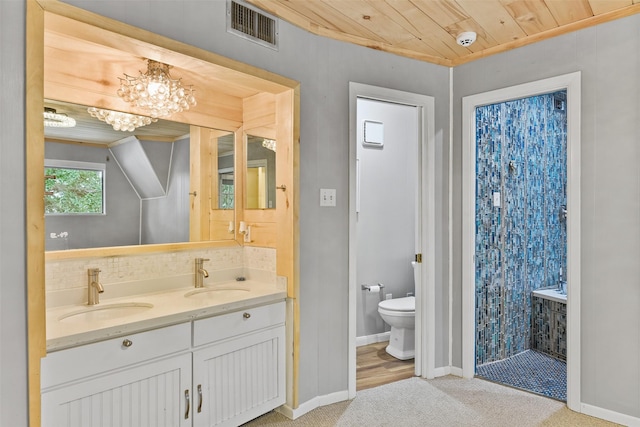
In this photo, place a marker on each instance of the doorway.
(520, 235)
(419, 111)
(569, 84)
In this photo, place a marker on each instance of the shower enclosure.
(521, 157)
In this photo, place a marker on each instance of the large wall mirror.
(107, 187)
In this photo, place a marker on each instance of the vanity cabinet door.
(239, 379)
(153, 394)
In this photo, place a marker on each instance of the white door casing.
(425, 289)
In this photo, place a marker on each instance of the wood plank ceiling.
(427, 29)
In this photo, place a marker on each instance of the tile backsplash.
(249, 261)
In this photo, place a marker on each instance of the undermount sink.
(216, 292)
(105, 312)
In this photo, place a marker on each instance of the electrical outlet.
(388, 296)
(327, 197)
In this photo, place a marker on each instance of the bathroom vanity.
(210, 358)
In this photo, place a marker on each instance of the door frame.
(571, 83)
(425, 289)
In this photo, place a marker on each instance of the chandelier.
(124, 122)
(156, 92)
(269, 143)
(54, 119)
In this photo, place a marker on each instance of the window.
(73, 187)
(226, 189)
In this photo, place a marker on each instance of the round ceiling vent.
(466, 39)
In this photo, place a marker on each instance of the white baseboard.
(447, 370)
(606, 414)
(456, 371)
(372, 339)
(312, 404)
(442, 371)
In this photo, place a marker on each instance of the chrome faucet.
(562, 285)
(201, 273)
(95, 287)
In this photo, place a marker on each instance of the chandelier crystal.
(124, 122)
(156, 91)
(269, 143)
(54, 119)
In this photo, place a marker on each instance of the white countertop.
(551, 294)
(168, 307)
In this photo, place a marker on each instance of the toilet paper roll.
(374, 288)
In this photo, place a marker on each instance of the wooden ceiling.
(427, 29)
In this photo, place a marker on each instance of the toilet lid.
(399, 304)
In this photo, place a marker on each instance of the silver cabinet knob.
(127, 343)
(246, 315)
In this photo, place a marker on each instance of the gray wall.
(385, 228)
(166, 219)
(13, 335)
(120, 225)
(609, 57)
(324, 68)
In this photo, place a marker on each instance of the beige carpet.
(445, 401)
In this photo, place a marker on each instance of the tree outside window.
(73, 188)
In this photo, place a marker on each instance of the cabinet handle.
(199, 398)
(127, 343)
(246, 315)
(186, 396)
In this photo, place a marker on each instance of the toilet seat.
(405, 304)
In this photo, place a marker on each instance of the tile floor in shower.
(529, 370)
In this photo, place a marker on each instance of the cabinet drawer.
(237, 323)
(90, 359)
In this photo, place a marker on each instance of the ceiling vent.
(252, 24)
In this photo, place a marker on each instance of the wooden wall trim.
(34, 152)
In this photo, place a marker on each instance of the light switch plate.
(496, 199)
(327, 197)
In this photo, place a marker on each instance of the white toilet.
(400, 314)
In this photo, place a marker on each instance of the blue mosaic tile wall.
(521, 244)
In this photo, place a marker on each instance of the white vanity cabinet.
(218, 371)
(239, 365)
(114, 383)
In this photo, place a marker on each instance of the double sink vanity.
(165, 353)
(148, 347)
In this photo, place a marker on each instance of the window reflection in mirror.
(261, 173)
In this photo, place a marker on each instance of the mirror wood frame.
(45, 14)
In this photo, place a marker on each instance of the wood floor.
(375, 367)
